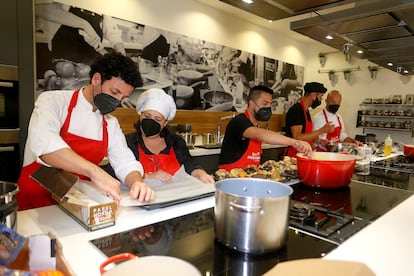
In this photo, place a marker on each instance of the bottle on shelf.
(388, 145)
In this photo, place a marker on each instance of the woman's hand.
(161, 175)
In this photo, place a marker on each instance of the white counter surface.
(81, 255)
(386, 245)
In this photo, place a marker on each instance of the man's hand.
(328, 127)
(203, 176)
(107, 183)
(141, 191)
(303, 147)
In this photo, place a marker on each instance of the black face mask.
(150, 127)
(315, 103)
(333, 108)
(105, 103)
(263, 114)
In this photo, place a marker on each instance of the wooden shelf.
(388, 104)
(388, 117)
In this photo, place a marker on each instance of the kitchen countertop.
(75, 239)
(383, 245)
(196, 151)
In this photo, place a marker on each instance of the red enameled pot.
(326, 169)
(409, 151)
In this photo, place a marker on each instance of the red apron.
(291, 151)
(334, 135)
(33, 195)
(251, 156)
(154, 162)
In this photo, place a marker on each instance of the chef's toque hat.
(156, 99)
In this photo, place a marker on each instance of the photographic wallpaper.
(200, 75)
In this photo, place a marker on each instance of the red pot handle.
(116, 258)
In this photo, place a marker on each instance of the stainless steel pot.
(189, 138)
(217, 97)
(210, 139)
(251, 215)
(8, 204)
(184, 96)
(342, 147)
(184, 127)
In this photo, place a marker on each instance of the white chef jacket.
(49, 114)
(319, 121)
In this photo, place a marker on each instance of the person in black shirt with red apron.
(242, 143)
(161, 153)
(298, 119)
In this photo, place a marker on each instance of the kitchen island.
(383, 245)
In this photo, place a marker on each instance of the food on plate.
(251, 169)
(270, 169)
(221, 174)
(237, 172)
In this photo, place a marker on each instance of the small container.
(388, 145)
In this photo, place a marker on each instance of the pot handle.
(247, 209)
(116, 258)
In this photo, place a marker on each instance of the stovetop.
(395, 172)
(398, 163)
(337, 215)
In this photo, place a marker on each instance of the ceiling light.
(248, 1)
(360, 52)
(329, 37)
(405, 71)
(270, 20)
(390, 64)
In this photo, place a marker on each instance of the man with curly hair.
(73, 131)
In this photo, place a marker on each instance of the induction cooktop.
(191, 237)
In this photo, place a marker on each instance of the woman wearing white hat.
(160, 152)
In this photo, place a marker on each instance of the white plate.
(154, 265)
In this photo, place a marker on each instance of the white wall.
(359, 87)
(195, 19)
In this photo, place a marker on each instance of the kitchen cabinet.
(386, 116)
(9, 31)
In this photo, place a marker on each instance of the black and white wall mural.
(200, 75)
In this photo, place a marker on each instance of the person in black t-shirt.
(243, 138)
(298, 119)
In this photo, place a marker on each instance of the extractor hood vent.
(383, 30)
(278, 9)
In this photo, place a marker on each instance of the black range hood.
(278, 9)
(383, 30)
